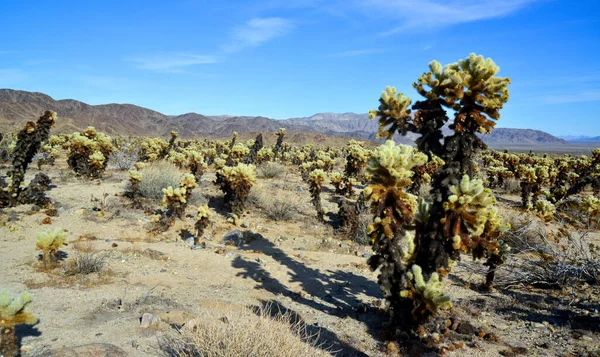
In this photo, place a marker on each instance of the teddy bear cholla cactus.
(389, 173)
(89, 152)
(12, 313)
(315, 181)
(175, 202)
(236, 182)
(473, 91)
(203, 221)
(49, 242)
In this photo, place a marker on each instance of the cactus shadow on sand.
(336, 291)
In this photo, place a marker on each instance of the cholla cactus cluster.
(29, 141)
(49, 242)
(315, 182)
(89, 152)
(462, 216)
(12, 313)
(236, 182)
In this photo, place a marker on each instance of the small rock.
(234, 238)
(191, 277)
(148, 320)
(300, 189)
(301, 248)
(366, 255)
(199, 246)
(229, 255)
(244, 224)
(153, 254)
(301, 256)
(35, 208)
(163, 270)
(13, 216)
(190, 241)
(586, 338)
(344, 245)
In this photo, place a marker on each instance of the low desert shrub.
(155, 177)
(81, 263)
(512, 186)
(526, 230)
(560, 260)
(125, 157)
(270, 170)
(241, 333)
(278, 209)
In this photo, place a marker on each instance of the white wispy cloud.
(435, 14)
(355, 53)
(586, 96)
(256, 32)
(175, 62)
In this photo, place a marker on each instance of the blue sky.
(284, 59)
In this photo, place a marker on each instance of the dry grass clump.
(279, 210)
(270, 170)
(84, 263)
(512, 186)
(247, 332)
(526, 230)
(560, 260)
(157, 176)
(124, 158)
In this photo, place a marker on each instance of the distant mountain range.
(17, 107)
(580, 139)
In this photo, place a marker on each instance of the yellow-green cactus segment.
(545, 210)
(188, 181)
(203, 212)
(12, 309)
(135, 176)
(317, 176)
(430, 293)
(593, 204)
(51, 240)
(473, 77)
(97, 159)
(473, 203)
(393, 110)
(391, 161)
(176, 195)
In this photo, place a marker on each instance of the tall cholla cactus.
(203, 221)
(256, 147)
(236, 182)
(462, 217)
(135, 178)
(279, 144)
(315, 181)
(12, 313)
(171, 146)
(29, 141)
(389, 173)
(49, 242)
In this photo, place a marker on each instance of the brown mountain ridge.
(17, 107)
